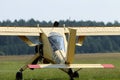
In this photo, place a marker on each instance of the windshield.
(56, 41)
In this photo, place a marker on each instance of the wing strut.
(27, 41)
(80, 40)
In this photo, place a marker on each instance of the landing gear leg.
(33, 60)
(39, 49)
(19, 75)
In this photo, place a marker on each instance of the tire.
(19, 76)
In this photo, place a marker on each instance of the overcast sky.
(98, 10)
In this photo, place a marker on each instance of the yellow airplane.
(55, 46)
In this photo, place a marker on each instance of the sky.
(52, 10)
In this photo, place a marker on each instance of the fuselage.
(54, 45)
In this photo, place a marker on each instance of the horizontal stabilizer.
(71, 66)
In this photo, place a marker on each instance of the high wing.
(81, 31)
(20, 31)
(36, 31)
(97, 31)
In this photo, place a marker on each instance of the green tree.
(116, 23)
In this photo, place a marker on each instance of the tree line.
(99, 44)
(32, 22)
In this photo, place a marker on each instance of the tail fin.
(71, 46)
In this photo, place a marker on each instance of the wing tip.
(108, 66)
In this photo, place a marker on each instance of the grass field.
(9, 65)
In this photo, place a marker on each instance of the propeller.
(71, 46)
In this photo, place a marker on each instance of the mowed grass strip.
(9, 65)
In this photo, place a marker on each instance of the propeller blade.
(71, 46)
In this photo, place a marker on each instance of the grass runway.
(9, 65)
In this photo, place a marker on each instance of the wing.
(71, 66)
(97, 31)
(81, 31)
(20, 31)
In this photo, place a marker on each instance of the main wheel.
(75, 74)
(70, 73)
(19, 76)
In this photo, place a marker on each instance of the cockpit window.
(56, 41)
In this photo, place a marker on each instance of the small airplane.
(55, 46)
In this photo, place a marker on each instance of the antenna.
(38, 25)
(64, 26)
